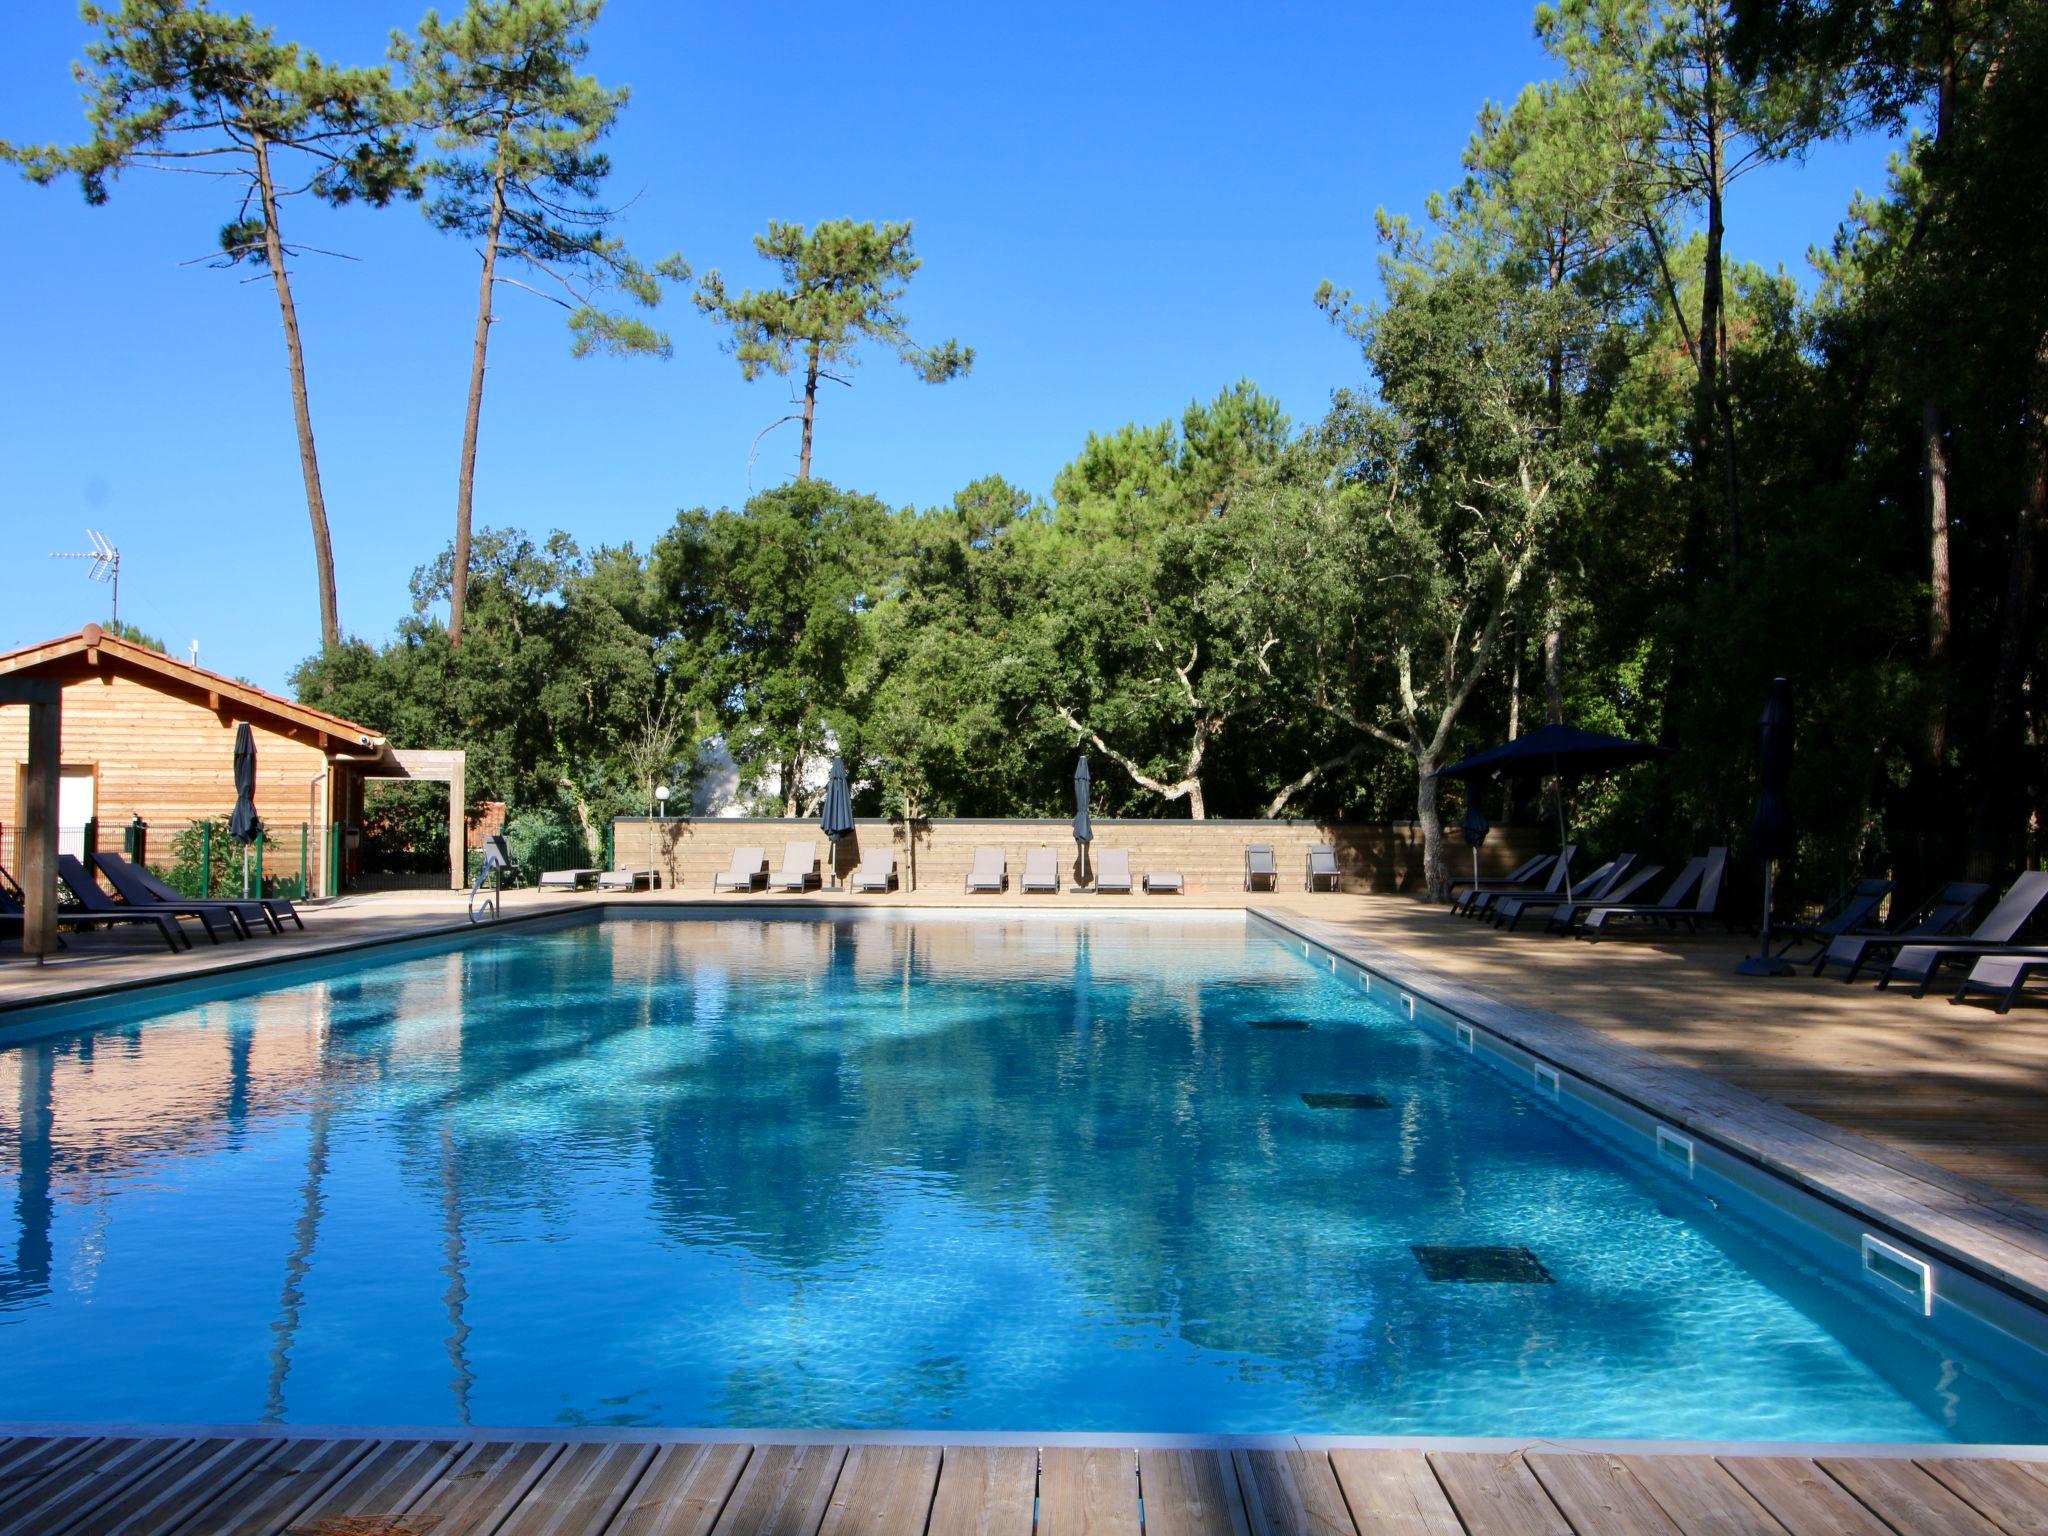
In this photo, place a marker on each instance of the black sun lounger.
(1568, 913)
(1507, 911)
(1701, 878)
(1855, 912)
(2004, 975)
(13, 917)
(86, 892)
(1942, 913)
(2000, 930)
(138, 885)
(1478, 903)
(1531, 871)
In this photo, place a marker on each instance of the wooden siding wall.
(170, 760)
(1208, 854)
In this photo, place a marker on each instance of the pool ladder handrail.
(497, 864)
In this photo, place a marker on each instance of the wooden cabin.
(145, 735)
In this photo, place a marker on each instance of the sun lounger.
(12, 916)
(1619, 893)
(133, 883)
(569, 879)
(1113, 872)
(1943, 913)
(1164, 882)
(877, 872)
(799, 870)
(1528, 874)
(1322, 867)
(1556, 882)
(2004, 975)
(1259, 864)
(1921, 963)
(1695, 894)
(85, 890)
(1855, 912)
(990, 872)
(1041, 871)
(628, 880)
(747, 872)
(1508, 911)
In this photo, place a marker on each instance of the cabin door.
(75, 805)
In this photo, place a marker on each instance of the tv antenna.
(106, 564)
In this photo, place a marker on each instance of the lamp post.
(661, 802)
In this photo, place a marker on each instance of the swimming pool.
(994, 1172)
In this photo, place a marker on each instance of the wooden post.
(458, 823)
(38, 871)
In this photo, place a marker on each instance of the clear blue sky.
(1120, 208)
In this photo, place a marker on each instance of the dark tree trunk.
(803, 468)
(302, 413)
(2000, 809)
(465, 484)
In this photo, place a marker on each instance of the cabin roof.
(69, 657)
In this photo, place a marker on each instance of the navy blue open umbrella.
(1555, 751)
(836, 819)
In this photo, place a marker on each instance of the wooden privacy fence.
(1209, 854)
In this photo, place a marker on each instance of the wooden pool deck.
(226, 1486)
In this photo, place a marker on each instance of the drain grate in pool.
(1483, 1266)
(1344, 1101)
(1280, 1024)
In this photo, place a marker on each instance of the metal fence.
(198, 858)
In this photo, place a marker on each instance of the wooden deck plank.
(269, 1496)
(1700, 1497)
(1087, 1491)
(683, 1492)
(782, 1492)
(2010, 1496)
(883, 1490)
(986, 1491)
(483, 1485)
(1909, 1501)
(82, 1484)
(580, 1491)
(1292, 1493)
(1191, 1493)
(1802, 1498)
(34, 1455)
(1599, 1496)
(26, 1462)
(379, 1487)
(1495, 1494)
(169, 1493)
(1394, 1491)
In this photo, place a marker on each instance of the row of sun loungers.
(1620, 893)
(140, 897)
(1931, 945)
(988, 873)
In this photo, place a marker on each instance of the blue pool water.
(1012, 1173)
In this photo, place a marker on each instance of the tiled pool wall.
(1977, 1311)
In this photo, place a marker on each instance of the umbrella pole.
(1763, 962)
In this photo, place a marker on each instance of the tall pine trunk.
(302, 413)
(2000, 807)
(803, 468)
(465, 482)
